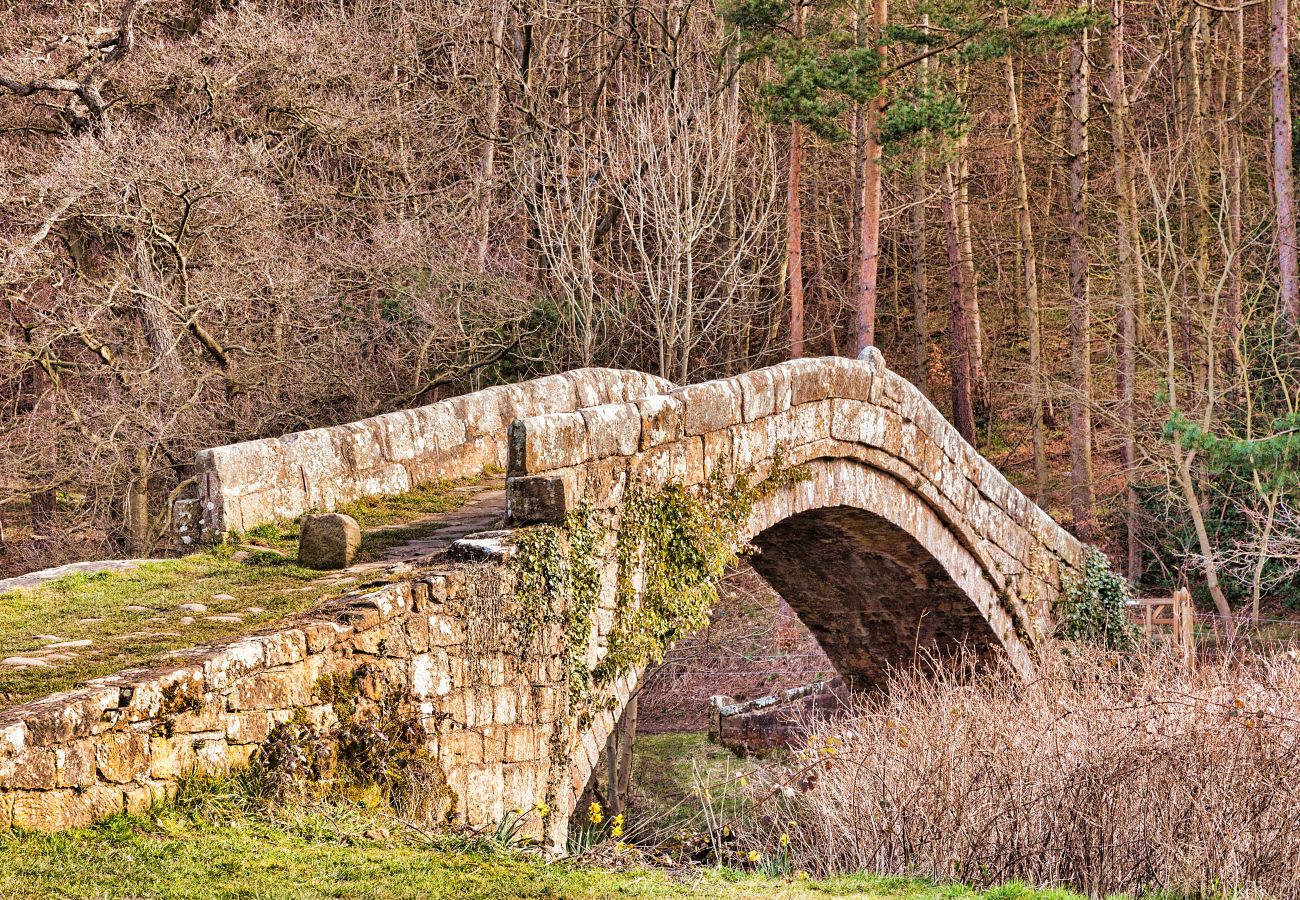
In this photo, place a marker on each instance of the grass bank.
(337, 853)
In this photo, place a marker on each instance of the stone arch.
(902, 503)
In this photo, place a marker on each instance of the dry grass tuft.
(1104, 774)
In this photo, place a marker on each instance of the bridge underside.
(870, 593)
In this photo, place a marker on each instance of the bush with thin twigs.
(1107, 774)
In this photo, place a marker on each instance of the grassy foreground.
(165, 856)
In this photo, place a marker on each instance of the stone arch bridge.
(898, 538)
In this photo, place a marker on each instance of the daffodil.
(594, 814)
(753, 856)
(784, 840)
(541, 809)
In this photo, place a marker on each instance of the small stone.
(187, 620)
(230, 618)
(88, 621)
(328, 541)
(70, 645)
(25, 662)
(192, 607)
(255, 610)
(223, 597)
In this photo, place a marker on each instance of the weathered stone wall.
(443, 643)
(242, 485)
(775, 721)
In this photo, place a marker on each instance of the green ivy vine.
(674, 545)
(557, 580)
(1092, 606)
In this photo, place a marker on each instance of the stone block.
(59, 810)
(545, 443)
(74, 764)
(613, 430)
(810, 380)
(282, 689)
(171, 758)
(33, 768)
(540, 498)
(711, 406)
(285, 647)
(661, 420)
(328, 541)
(122, 756)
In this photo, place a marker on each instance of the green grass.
(669, 773)
(435, 498)
(389, 521)
(95, 607)
(257, 571)
(168, 855)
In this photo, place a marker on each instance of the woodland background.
(1073, 227)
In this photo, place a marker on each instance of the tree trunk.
(963, 413)
(920, 300)
(794, 224)
(1283, 176)
(1236, 100)
(1083, 501)
(869, 229)
(1029, 263)
(487, 154)
(1126, 344)
(135, 509)
(971, 299)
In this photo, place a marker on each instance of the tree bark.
(1283, 175)
(1029, 267)
(869, 230)
(963, 413)
(487, 154)
(1126, 344)
(1083, 501)
(794, 223)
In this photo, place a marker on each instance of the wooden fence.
(1168, 617)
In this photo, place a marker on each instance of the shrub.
(1108, 776)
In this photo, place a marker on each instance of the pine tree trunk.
(920, 299)
(963, 413)
(1029, 262)
(1126, 344)
(869, 230)
(1083, 501)
(1283, 175)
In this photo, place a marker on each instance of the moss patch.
(130, 617)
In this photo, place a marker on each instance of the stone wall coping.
(241, 485)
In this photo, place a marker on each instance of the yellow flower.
(784, 840)
(622, 846)
(594, 814)
(616, 831)
(541, 809)
(753, 856)
(801, 875)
